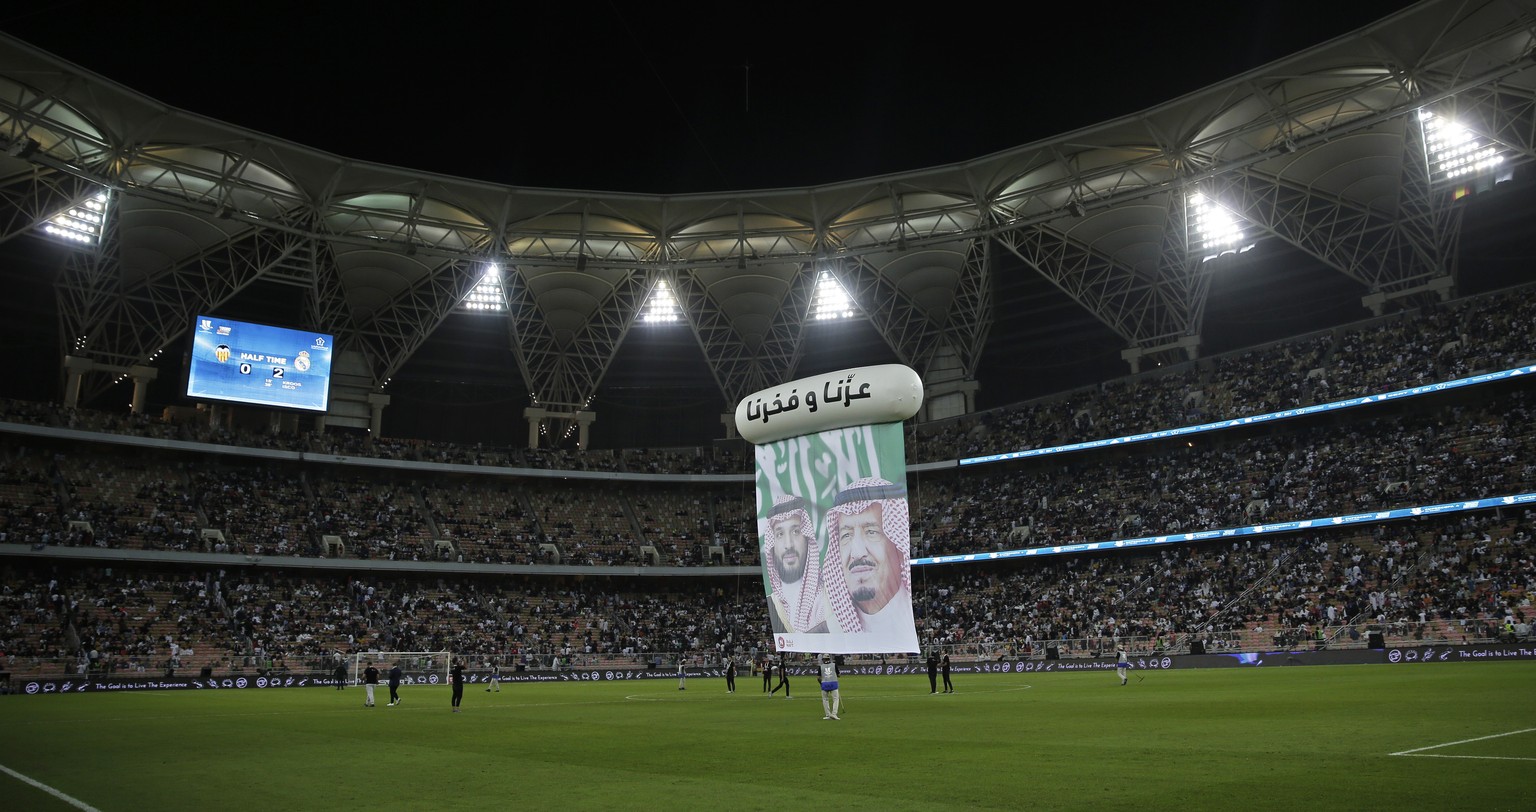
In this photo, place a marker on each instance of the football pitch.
(1441, 736)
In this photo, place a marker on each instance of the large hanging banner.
(832, 516)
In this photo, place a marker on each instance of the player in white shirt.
(831, 700)
(1122, 663)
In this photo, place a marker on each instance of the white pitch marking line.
(1463, 741)
(74, 802)
(1482, 758)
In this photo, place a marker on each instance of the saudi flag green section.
(816, 466)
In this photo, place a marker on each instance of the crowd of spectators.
(1446, 579)
(1316, 471)
(1406, 349)
(1462, 574)
(71, 496)
(1453, 580)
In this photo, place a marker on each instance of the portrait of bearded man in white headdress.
(869, 548)
(793, 559)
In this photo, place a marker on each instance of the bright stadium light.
(830, 301)
(662, 307)
(80, 224)
(1455, 151)
(487, 295)
(1217, 231)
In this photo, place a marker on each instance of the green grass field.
(1281, 738)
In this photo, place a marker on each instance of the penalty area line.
(1418, 750)
(72, 801)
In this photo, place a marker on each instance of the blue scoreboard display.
(242, 362)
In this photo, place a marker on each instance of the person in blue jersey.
(831, 698)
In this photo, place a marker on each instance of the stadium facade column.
(75, 368)
(141, 375)
(536, 416)
(283, 423)
(948, 388)
(1376, 301)
(376, 404)
(1189, 344)
(948, 399)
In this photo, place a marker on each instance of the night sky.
(671, 98)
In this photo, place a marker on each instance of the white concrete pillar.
(75, 369)
(142, 375)
(376, 404)
(535, 417)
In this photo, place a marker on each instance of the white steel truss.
(290, 211)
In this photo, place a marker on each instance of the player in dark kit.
(730, 676)
(394, 685)
(456, 676)
(783, 677)
(370, 682)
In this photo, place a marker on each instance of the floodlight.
(82, 223)
(487, 295)
(830, 301)
(662, 307)
(1454, 151)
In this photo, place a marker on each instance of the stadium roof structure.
(1323, 152)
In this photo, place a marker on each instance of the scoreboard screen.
(242, 362)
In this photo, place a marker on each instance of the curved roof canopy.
(1323, 151)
